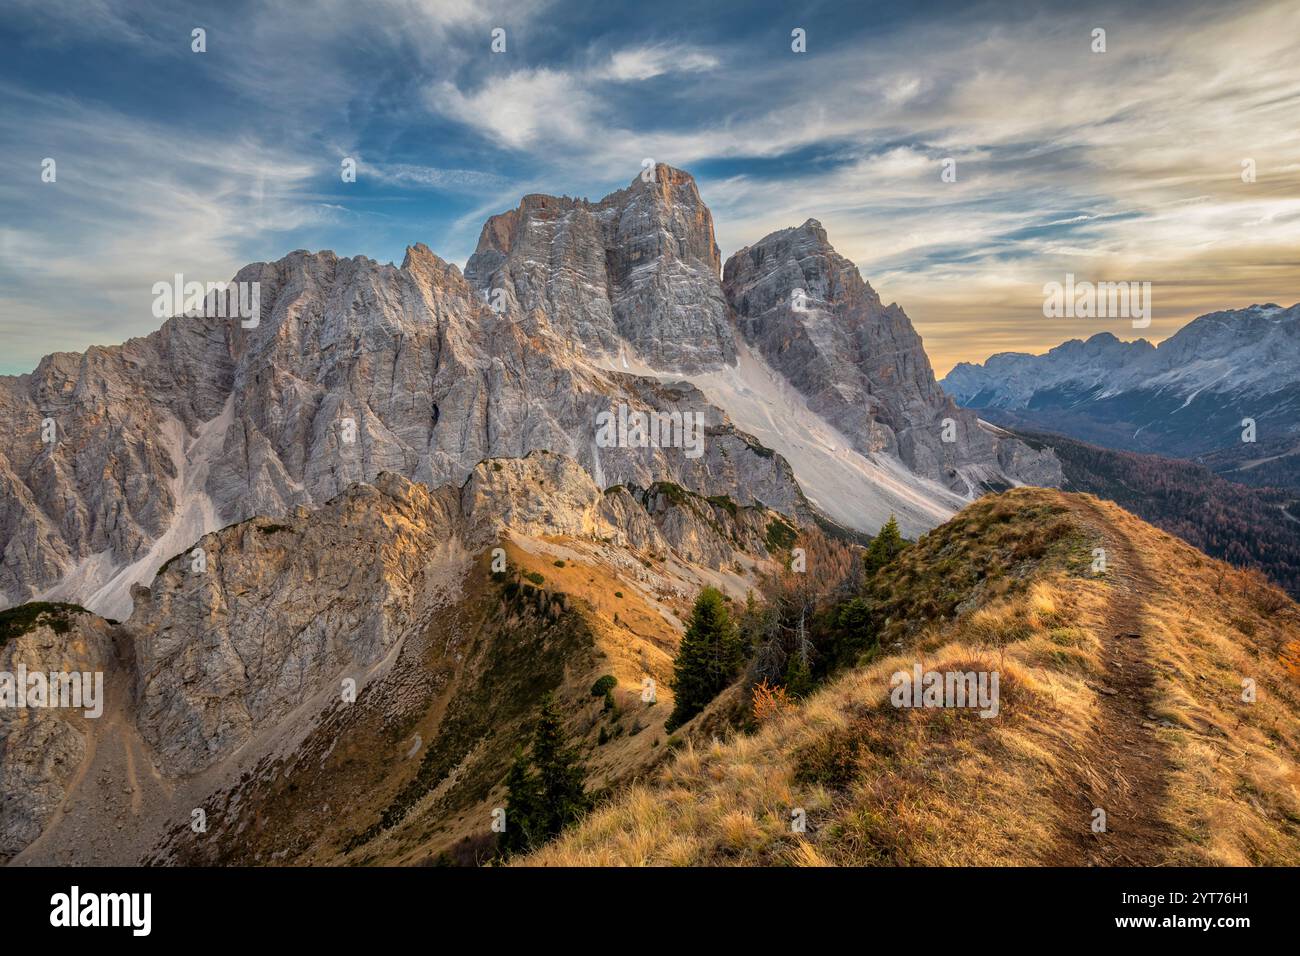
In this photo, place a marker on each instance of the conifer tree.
(523, 797)
(559, 771)
(798, 673)
(708, 659)
(885, 546)
(545, 789)
(798, 680)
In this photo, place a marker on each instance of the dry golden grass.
(632, 640)
(1235, 787)
(881, 785)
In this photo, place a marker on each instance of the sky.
(1122, 165)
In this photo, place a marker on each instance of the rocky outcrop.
(278, 609)
(42, 746)
(94, 448)
(639, 267)
(861, 365)
(229, 646)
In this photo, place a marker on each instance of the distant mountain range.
(1194, 396)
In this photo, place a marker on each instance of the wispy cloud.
(520, 109)
(127, 208)
(432, 177)
(647, 62)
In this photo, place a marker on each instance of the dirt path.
(1123, 768)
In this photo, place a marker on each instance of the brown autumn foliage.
(1261, 592)
(769, 701)
(1290, 658)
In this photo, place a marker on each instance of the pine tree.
(708, 659)
(798, 680)
(798, 673)
(523, 797)
(885, 546)
(559, 771)
(544, 790)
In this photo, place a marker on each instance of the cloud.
(127, 208)
(432, 177)
(520, 108)
(60, 22)
(529, 107)
(647, 62)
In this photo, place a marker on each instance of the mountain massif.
(1224, 389)
(117, 459)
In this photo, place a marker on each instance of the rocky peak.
(813, 317)
(859, 362)
(670, 201)
(353, 368)
(422, 261)
(638, 269)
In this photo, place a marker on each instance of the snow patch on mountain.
(109, 584)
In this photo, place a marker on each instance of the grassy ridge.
(875, 784)
(1247, 527)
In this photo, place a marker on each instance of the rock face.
(639, 267)
(1185, 397)
(41, 748)
(280, 609)
(114, 461)
(355, 369)
(108, 478)
(861, 365)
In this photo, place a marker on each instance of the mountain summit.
(861, 365)
(118, 459)
(639, 268)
